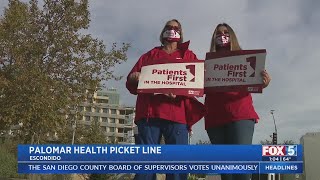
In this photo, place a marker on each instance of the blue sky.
(287, 29)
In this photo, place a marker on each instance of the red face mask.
(222, 40)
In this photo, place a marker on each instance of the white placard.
(185, 78)
(235, 71)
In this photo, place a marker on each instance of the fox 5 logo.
(278, 150)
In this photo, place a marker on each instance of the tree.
(288, 142)
(266, 142)
(93, 135)
(48, 64)
(85, 134)
(285, 142)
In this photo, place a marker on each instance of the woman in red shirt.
(167, 115)
(230, 117)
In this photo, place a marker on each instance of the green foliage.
(48, 65)
(8, 165)
(268, 142)
(288, 142)
(84, 134)
(93, 134)
(8, 160)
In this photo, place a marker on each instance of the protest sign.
(179, 77)
(237, 71)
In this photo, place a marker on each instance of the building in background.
(116, 121)
(311, 155)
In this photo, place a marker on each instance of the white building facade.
(116, 121)
(311, 156)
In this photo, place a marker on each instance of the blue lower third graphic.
(205, 168)
(103, 159)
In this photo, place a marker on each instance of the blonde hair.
(164, 28)
(234, 44)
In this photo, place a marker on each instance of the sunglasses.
(223, 32)
(169, 27)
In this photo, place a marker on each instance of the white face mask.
(223, 40)
(171, 35)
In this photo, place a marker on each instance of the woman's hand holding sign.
(171, 95)
(134, 77)
(266, 78)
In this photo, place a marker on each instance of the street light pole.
(275, 134)
(274, 121)
(74, 130)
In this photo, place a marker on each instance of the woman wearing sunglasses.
(168, 114)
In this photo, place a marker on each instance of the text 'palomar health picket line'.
(95, 150)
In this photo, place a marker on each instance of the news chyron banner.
(236, 71)
(180, 77)
(204, 159)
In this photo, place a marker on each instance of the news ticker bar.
(144, 168)
(157, 153)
